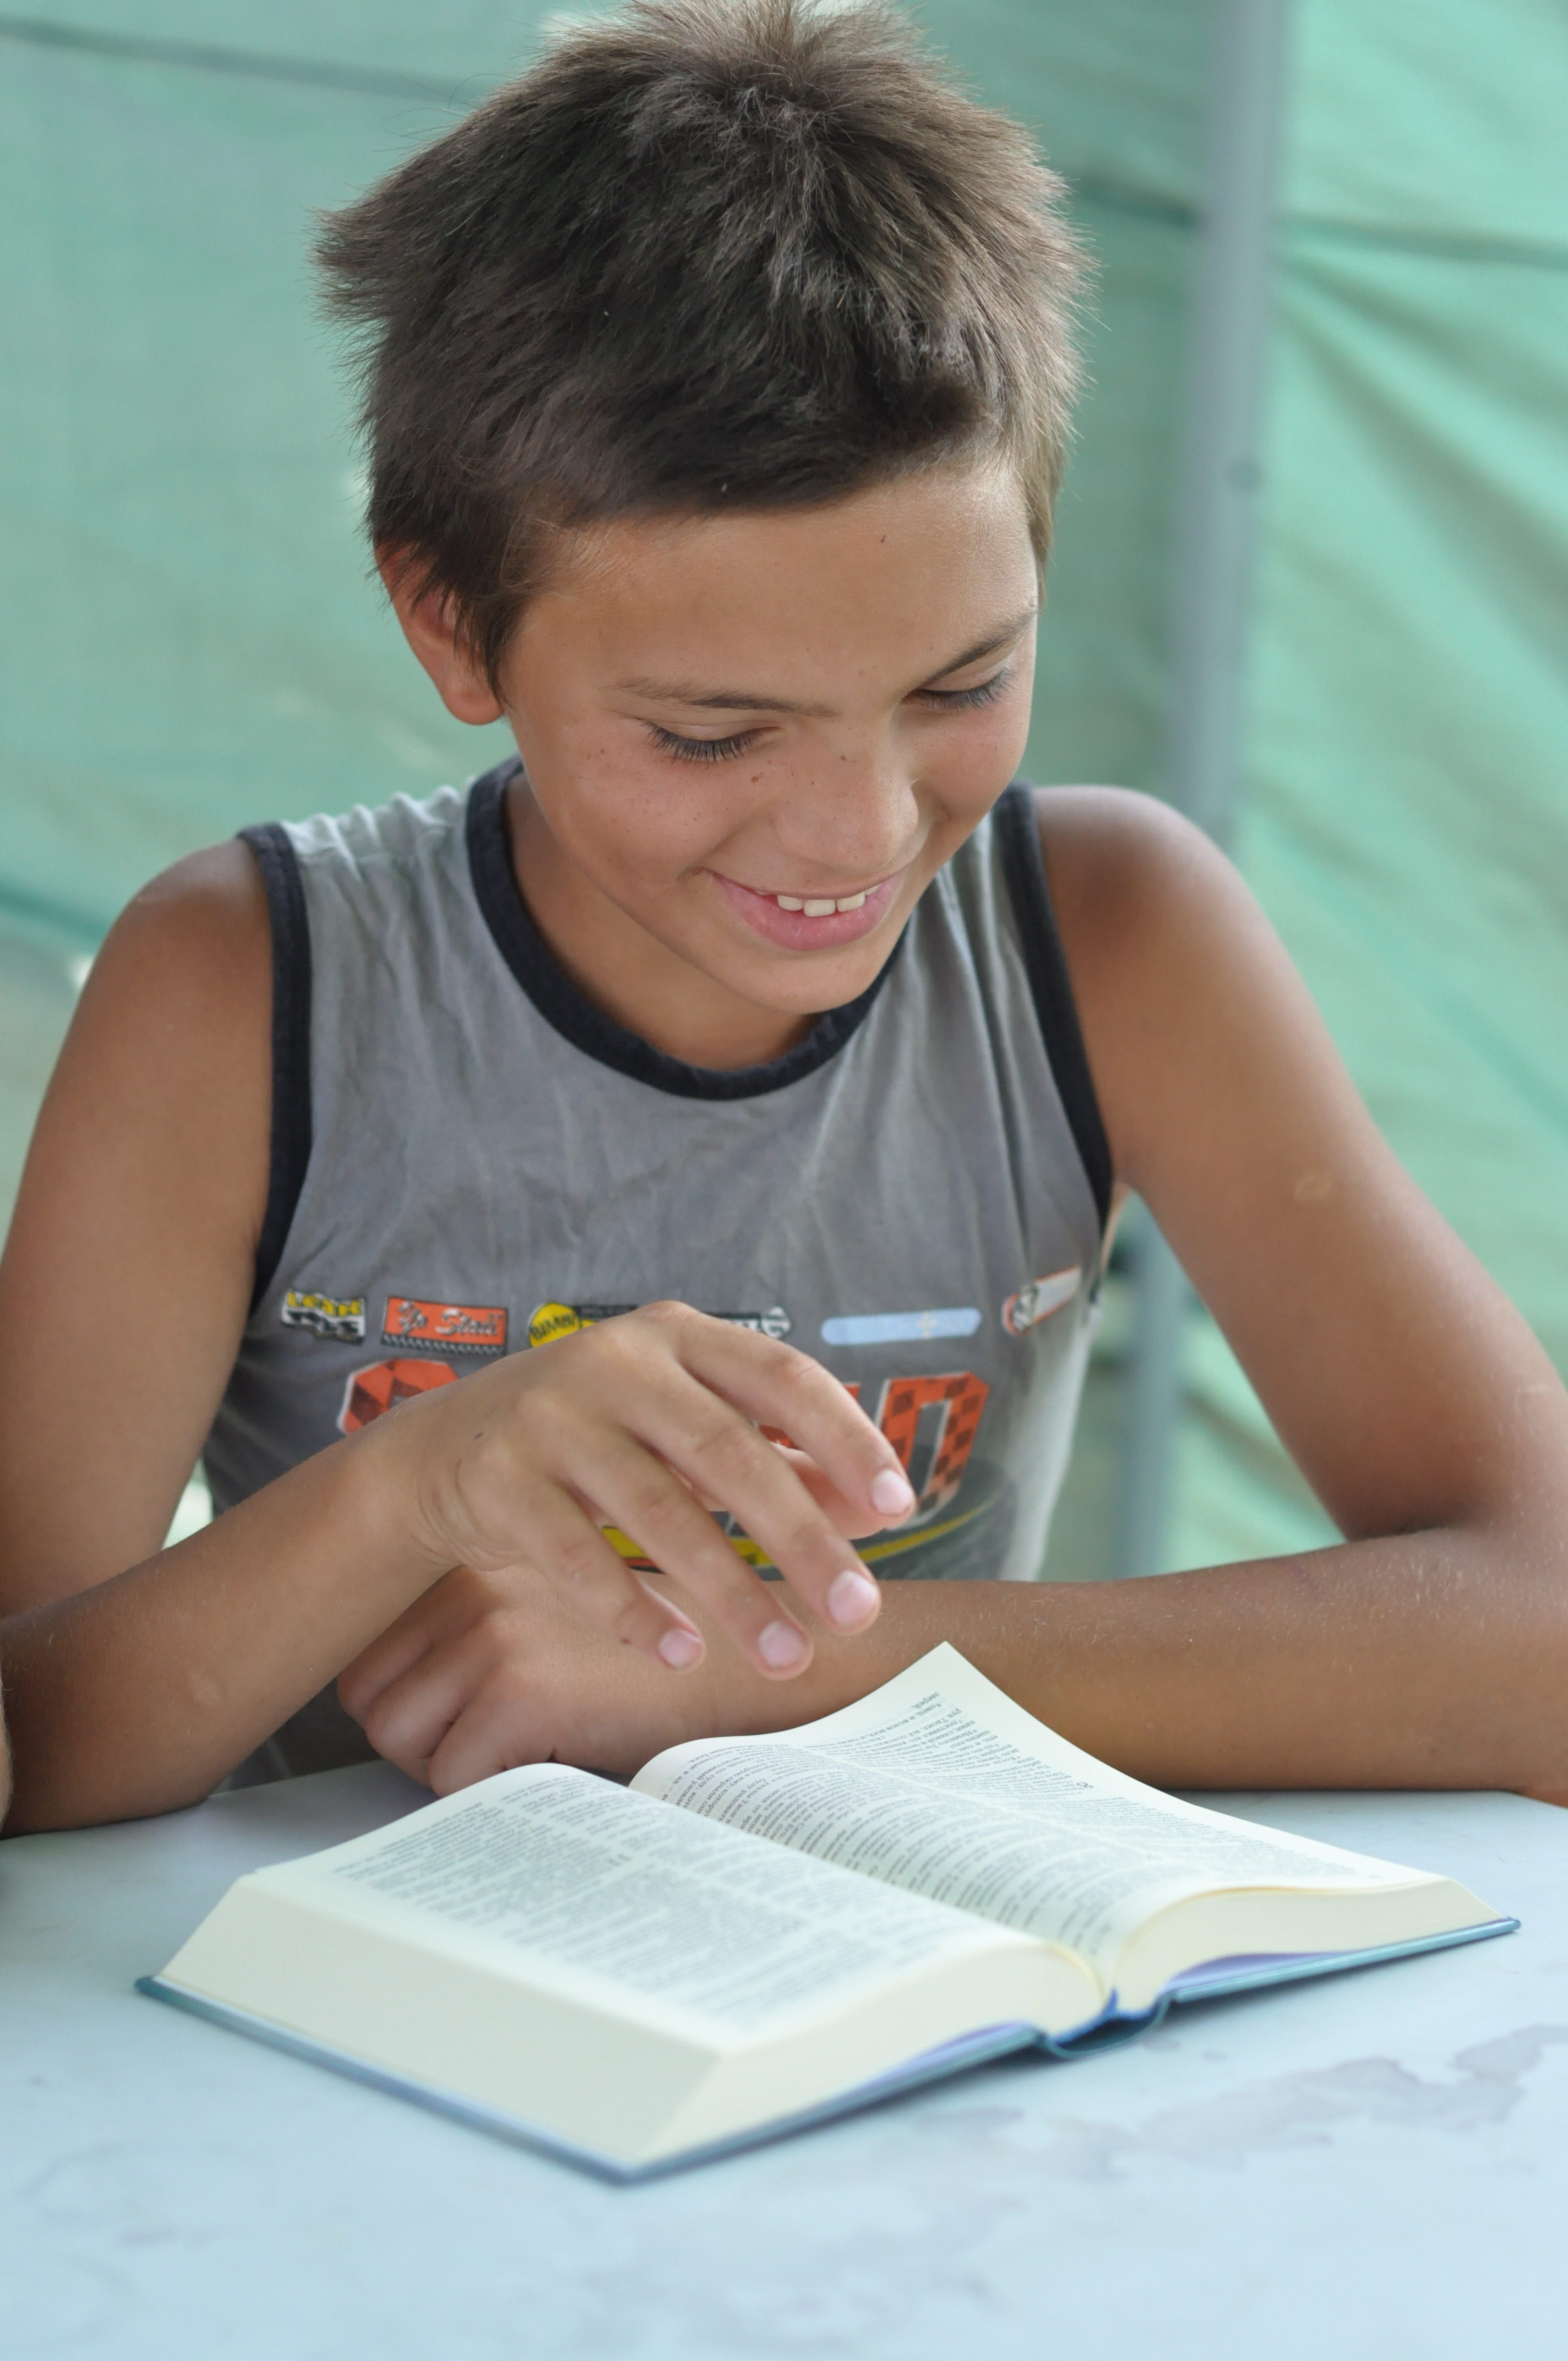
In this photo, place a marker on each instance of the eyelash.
(726, 750)
(701, 749)
(962, 700)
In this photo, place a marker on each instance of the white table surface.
(1370, 2168)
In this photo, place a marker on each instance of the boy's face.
(754, 739)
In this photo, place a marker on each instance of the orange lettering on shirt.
(957, 1402)
(462, 1327)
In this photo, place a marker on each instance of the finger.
(851, 1518)
(410, 1717)
(658, 1512)
(412, 1720)
(569, 1549)
(776, 1385)
(715, 1448)
(507, 1724)
(387, 1659)
(565, 1544)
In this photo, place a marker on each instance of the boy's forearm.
(1427, 1660)
(1431, 1660)
(140, 1694)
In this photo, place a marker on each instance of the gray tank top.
(468, 1158)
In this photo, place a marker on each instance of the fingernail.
(852, 1598)
(782, 1647)
(680, 1649)
(891, 1493)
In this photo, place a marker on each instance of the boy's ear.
(430, 626)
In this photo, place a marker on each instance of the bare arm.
(123, 1295)
(1430, 1649)
(127, 1271)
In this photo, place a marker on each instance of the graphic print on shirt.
(932, 1422)
(460, 1327)
(370, 1393)
(901, 1327)
(547, 1322)
(337, 1319)
(1036, 1301)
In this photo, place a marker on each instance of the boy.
(704, 1133)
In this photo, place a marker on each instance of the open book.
(764, 1931)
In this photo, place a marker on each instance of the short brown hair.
(705, 254)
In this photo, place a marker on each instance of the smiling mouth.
(804, 921)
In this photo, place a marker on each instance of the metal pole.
(1228, 358)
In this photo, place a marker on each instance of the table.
(1370, 2167)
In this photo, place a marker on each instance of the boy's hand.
(638, 1423)
(488, 1670)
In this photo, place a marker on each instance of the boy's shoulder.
(1134, 885)
(1103, 845)
(1175, 972)
(170, 1048)
(200, 928)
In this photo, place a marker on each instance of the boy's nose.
(856, 816)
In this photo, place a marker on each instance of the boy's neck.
(626, 973)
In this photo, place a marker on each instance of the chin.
(811, 983)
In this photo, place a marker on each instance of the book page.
(940, 1784)
(668, 1909)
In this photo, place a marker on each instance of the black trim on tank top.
(290, 1146)
(1045, 962)
(574, 1016)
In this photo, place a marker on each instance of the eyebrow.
(737, 700)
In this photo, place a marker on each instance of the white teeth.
(820, 909)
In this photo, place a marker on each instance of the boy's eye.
(701, 749)
(958, 701)
(725, 750)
